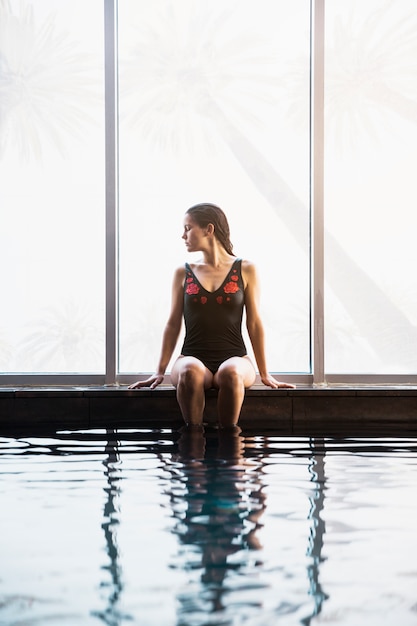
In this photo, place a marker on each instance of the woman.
(211, 295)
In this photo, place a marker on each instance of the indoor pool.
(166, 529)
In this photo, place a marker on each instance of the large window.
(52, 187)
(214, 106)
(115, 117)
(370, 187)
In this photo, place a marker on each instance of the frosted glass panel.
(214, 106)
(370, 187)
(52, 186)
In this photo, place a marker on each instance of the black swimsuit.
(213, 319)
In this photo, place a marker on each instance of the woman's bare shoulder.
(249, 272)
(248, 267)
(179, 275)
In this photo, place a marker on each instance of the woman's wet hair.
(205, 214)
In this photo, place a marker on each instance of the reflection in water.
(216, 488)
(111, 520)
(206, 529)
(218, 502)
(218, 497)
(317, 530)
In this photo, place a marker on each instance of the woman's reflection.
(217, 498)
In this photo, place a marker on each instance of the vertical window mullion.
(317, 191)
(111, 126)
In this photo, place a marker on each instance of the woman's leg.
(232, 378)
(191, 378)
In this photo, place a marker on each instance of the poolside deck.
(333, 410)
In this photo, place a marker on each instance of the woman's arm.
(255, 326)
(170, 334)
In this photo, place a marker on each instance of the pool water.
(171, 529)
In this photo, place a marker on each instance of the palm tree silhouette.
(44, 84)
(64, 337)
(370, 67)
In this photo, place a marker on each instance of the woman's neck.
(217, 257)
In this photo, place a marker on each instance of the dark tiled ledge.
(305, 410)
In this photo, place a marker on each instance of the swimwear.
(213, 319)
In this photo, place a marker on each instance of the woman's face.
(194, 236)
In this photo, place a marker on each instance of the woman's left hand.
(270, 381)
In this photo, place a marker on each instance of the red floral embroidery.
(231, 288)
(192, 289)
(203, 299)
(234, 277)
(219, 299)
(189, 279)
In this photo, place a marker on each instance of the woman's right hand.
(152, 382)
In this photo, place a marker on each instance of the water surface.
(167, 529)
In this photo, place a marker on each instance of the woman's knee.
(235, 373)
(229, 376)
(191, 373)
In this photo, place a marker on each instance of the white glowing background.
(213, 106)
